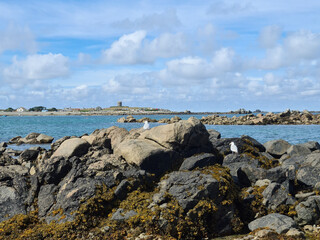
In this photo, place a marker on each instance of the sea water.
(60, 126)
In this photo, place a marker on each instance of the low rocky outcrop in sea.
(174, 181)
(287, 117)
(31, 138)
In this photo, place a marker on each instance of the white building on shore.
(21, 109)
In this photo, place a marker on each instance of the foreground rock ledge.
(175, 181)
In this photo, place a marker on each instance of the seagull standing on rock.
(146, 125)
(233, 148)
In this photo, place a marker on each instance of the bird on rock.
(146, 125)
(233, 148)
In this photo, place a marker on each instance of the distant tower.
(119, 104)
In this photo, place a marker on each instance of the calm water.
(59, 126)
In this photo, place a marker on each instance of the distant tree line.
(34, 109)
(42, 108)
(37, 109)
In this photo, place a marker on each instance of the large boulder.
(195, 189)
(11, 203)
(29, 155)
(53, 170)
(186, 136)
(72, 147)
(308, 211)
(15, 193)
(298, 149)
(312, 145)
(276, 195)
(98, 138)
(199, 160)
(275, 221)
(214, 134)
(116, 135)
(245, 144)
(308, 173)
(42, 138)
(277, 147)
(146, 154)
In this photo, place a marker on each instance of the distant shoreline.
(121, 113)
(103, 113)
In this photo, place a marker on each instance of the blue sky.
(216, 55)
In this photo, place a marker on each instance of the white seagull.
(146, 125)
(233, 148)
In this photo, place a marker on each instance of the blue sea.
(60, 126)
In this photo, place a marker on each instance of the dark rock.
(3, 145)
(235, 162)
(11, 203)
(200, 160)
(29, 155)
(46, 198)
(277, 147)
(275, 221)
(70, 195)
(308, 173)
(188, 188)
(249, 174)
(122, 189)
(251, 141)
(298, 150)
(308, 211)
(275, 195)
(293, 160)
(54, 170)
(286, 113)
(245, 144)
(14, 191)
(213, 134)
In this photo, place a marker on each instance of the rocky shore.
(287, 117)
(174, 181)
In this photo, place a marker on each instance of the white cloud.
(36, 67)
(229, 7)
(190, 67)
(167, 20)
(296, 47)
(135, 48)
(269, 36)
(197, 68)
(126, 49)
(128, 84)
(303, 45)
(17, 38)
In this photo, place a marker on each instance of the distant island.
(112, 110)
